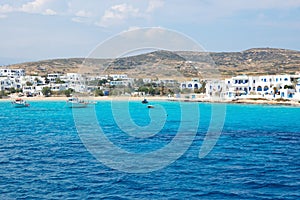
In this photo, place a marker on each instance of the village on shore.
(265, 88)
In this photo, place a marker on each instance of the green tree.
(47, 80)
(102, 82)
(68, 92)
(46, 91)
(152, 91)
(203, 87)
(12, 90)
(28, 83)
(59, 81)
(143, 89)
(99, 92)
(288, 87)
(37, 80)
(2, 94)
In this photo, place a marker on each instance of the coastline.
(159, 98)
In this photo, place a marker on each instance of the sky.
(32, 30)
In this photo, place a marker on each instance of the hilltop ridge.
(254, 61)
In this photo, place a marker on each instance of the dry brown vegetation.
(177, 64)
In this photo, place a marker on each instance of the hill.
(256, 61)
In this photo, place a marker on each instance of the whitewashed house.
(268, 86)
(53, 77)
(12, 72)
(75, 81)
(119, 76)
(30, 90)
(5, 83)
(58, 87)
(193, 84)
(297, 91)
(215, 88)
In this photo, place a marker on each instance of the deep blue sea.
(257, 155)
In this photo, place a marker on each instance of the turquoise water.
(256, 156)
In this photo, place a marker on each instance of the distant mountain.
(256, 61)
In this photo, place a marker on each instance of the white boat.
(150, 106)
(75, 102)
(20, 103)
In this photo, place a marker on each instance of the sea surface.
(257, 155)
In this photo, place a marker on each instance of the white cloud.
(83, 13)
(6, 8)
(49, 12)
(78, 19)
(36, 6)
(81, 16)
(154, 4)
(118, 13)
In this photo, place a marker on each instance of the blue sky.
(32, 30)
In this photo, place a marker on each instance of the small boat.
(75, 102)
(20, 103)
(150, 106)
(145, 101)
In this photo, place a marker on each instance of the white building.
(119, 83)
(193, 84)
(30, 90)
(271, 86)
(57, 87)
(119, 76)
(214, 88)
(297, 90)
(73, 78)
(147, 80)
(35, 80)
(12, 72)
(53, 77)
(5, 83)
(75, 81)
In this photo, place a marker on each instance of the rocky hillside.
(189, 64)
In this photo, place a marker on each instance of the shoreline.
(199, 100)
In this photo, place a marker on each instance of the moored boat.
(75, 102)
(20, 103)
(145, 101)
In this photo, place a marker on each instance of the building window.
(259, 88)
(266, 88)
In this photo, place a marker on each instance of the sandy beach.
(160, 98)
(104, 98)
